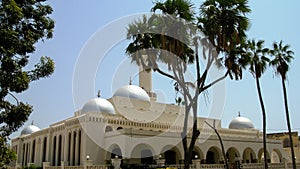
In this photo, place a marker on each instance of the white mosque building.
(136, 129)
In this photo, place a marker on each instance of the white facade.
(138, 130)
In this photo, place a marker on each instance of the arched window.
(24, 151)
(44, 149)
(108, 129)
(54, 151)
(74, 147)
(79, 146)
(286, 143)
(59, 147)
(33, 151)
(119, 128)
(69, 147)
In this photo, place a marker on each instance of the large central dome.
(133, 92)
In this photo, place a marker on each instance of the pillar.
(196, 162)
(145, 77)
(116, 162)
(76, 148)
(46, 164)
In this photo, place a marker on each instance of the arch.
(197, 153)
(44, 149)
(232, 154)
(54, 151)
(59, 148)
(142, 154)
(33, 151)
(276, 156)
(249, 156)
(119, 128)
(113, 152)
(171, 154)
(24, 152)
(69, 146)
(261, 156)
(108, 129)
(213, 155)
(79, 146)
(74, 147)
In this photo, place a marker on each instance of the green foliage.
(225, 23)
(33, 167)
(282, 58)
(23, 23)
(6, 155)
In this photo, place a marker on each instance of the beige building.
(284, 138)
(133, 127)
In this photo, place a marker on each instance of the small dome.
(241, 123)
(133, 92)
(29, 129)
(98, 105)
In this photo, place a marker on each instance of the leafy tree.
(23, 23)
(254, 58)
(282, 58)
(173, 39)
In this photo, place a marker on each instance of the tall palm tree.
(232, 30)
(254, 57)
(169, 32)
(282, 58)
(225, 23)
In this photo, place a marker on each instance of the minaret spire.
(99, 94)
(130, 80)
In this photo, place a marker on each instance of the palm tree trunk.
(264, 121)
(288, 122)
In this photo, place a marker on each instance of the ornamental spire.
(99, 94)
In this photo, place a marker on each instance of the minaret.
(145, 78)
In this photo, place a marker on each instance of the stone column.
(285, 163)
(76, 148)
(87, 163)
(116, 162)
(71, 162)
(196, 162)
(160, 162)
(63, 164)
(46, 164)
(57, 150)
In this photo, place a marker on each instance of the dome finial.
(130, 80)
(239, 114)
(99, 94)
(32, 122)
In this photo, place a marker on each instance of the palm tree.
(254, 58)
(157, 36)
(224, 22)
(169, 32)
(282, 58)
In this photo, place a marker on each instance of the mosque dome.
(132, 92)
(29, 129)
(241, 123)
(98, 105)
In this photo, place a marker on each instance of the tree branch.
(214, 82)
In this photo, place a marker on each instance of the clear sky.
(77, 21)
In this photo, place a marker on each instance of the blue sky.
(77, 21)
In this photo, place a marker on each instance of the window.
(286, 143)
